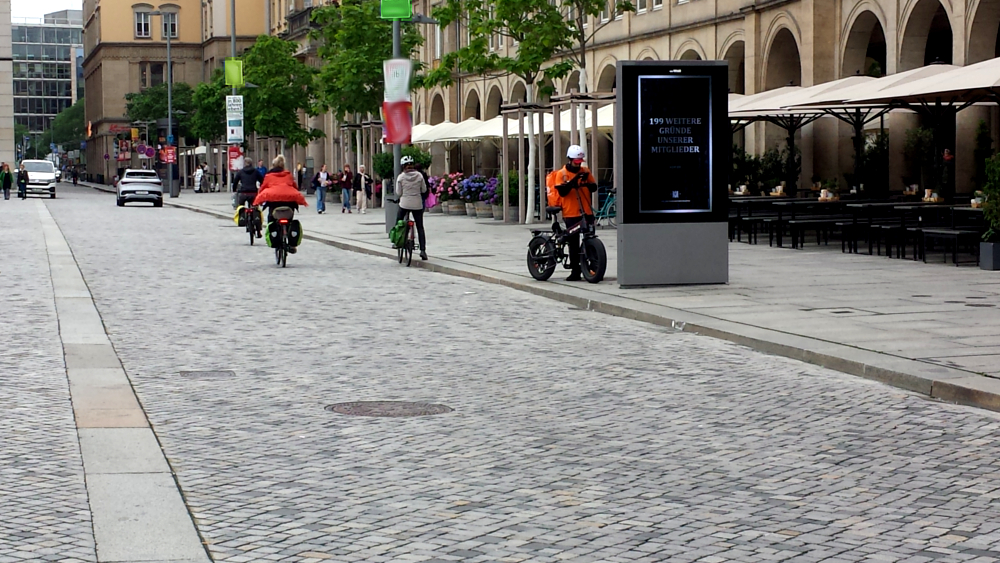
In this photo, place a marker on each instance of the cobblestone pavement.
(44, 515)
(574, 436)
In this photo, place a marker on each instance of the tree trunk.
(582, 113)
(529, 217)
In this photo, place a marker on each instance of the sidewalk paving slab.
(924, 327)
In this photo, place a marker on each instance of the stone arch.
(518, 94)
(864, 50)
(648, 54)
(472, 106)
(572, 82)
(493, 103)
(927, 35)
(783, 66)
(437, 110)
(984, 31)
(690, 50)
(607, 79)
(735, 55)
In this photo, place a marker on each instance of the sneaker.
(363, 212)
(320, 212)
(259, 234)
(575, 276)
(342, 210)
(349, 211)
(292, 249)
(423, 255)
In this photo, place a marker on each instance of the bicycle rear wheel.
(409, 252)
(250, 227)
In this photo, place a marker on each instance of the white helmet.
(574, 152)
(406, 160)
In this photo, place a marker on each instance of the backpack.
(397, 232)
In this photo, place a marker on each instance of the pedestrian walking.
(261, 168)
(76, 175)
(300, 176)
(362, 188)
(321, 181)
(346, 181)
(199, 176)
(6, 180)
(22, 182)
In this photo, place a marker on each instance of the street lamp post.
(174, 190)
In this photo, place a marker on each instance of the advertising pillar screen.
(675, 154)
(675, 138)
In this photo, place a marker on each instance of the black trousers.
(418, 219)
(245, 197)
(574, 240)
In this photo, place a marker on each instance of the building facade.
(45, 65)
(7, 83)
(125, 52)
(767, 44)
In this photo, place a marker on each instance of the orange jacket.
(279, 186)
(580, 194)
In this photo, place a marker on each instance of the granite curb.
(940, 382)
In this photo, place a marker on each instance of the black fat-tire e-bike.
(547, 249)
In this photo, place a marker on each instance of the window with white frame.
(438, 41)
(142, 24)
(605, 13)
(618, 13)
(169, 24)
(657, 4)
(640, 6)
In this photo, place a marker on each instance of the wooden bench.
(953, 238)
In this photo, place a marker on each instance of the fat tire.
(539, 268)
(594, 262)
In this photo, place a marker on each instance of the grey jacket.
(409, 187)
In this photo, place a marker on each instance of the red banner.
(235, 158)
(170, 155)
(397, 122)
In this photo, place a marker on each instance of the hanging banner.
(235, 158)
(397, 79)
(396, 116)
(234, 72)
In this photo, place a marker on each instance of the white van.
(41, 176)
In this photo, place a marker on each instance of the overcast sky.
(37, 9)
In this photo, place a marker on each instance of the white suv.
(41, 176)
(140, 185)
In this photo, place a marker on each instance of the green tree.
(585, 17)
(541, 32)
(284, 85)
(354, 40)
(70, 126)
(209, 120)
(151, 104)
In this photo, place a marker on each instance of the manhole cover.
(471, 256)
(208, 374)
(388, 408)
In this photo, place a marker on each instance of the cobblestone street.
(574, 436)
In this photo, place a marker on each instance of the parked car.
(136, 190)
(41, 177)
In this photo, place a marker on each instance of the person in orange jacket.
(571, 188)
(279, 190)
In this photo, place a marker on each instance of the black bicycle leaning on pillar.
(547, 249)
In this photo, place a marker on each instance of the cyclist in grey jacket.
(410, 186)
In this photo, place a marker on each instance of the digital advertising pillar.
(672, 161)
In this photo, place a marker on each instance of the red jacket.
(279, 186)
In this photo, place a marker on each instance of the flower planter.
(456, 207)
(512, 214)
(436, 208)
(484, 210)
(470, 209)
(989, 255)
(497, 212)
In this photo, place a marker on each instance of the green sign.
(234, 73)
(397, 9)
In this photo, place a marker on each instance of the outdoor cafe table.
(794, 205)
(867, 208)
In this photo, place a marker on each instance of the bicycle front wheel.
(594, 260)
(409, 252)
